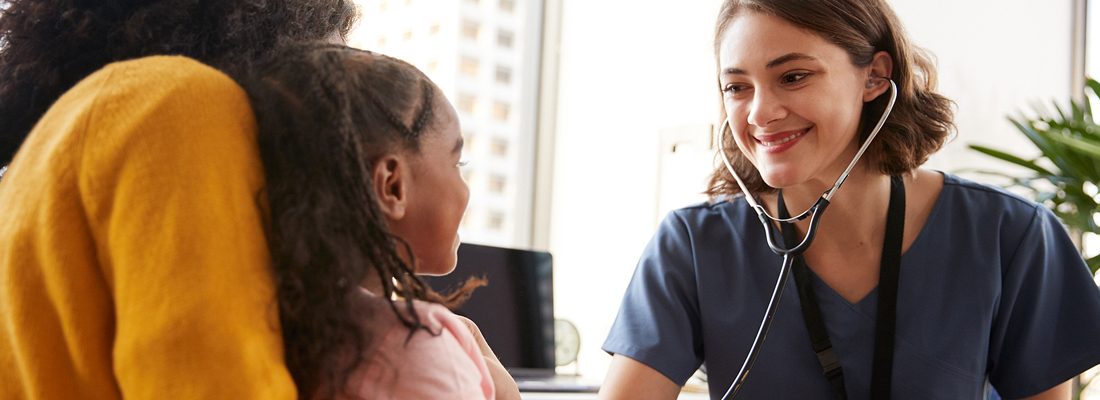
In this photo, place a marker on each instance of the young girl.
(919, 284)
(361, 155)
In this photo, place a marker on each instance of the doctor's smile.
(774, 143)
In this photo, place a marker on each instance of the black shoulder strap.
(888, 292)
(811, 312)
(883, 359)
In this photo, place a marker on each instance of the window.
(474, 1)
(467, 142)
(496, 221)
(408, 2)
(431, 66)
(382, 41)
(507, 5)
(433, 29)
(467, 103)
(500, 110)
(407, 36)
(468, 67)
(499, 147)
(497, 183)
(504, 74)
(505, 39)
(382, 6)
(470, 30)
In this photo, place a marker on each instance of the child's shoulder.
(409, 364)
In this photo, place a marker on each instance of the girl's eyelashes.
(462, 163)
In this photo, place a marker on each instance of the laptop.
(515, 312)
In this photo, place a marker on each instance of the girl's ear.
(391, 175)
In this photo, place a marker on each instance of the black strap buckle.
(829, 362)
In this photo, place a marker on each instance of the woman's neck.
(856, 211)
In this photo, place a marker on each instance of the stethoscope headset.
(789, 253)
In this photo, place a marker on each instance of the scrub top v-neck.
(992, 290)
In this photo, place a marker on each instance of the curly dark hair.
(47, 46)
(922, 120)
(325, 114)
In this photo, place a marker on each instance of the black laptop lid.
(515, 312)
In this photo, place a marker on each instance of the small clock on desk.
(567, 342)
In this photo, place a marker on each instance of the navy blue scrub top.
(992, 290)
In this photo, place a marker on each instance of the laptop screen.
(515, 311)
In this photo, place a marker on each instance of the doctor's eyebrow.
(786, 58)
(458, 145)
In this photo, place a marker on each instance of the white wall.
(630, 69)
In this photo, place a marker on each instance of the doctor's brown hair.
(921, 121)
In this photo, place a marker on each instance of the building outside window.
(467, 103)
(499, 147)
(496, 221)
(433, 29)
(505, 39)
(504, 75)
(468, 67)
(497, 183)
(470, 30)
(500, 111)
(507, 5)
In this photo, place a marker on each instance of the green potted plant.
(1066, 175)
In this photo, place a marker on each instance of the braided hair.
(325, 113)
(47, 46)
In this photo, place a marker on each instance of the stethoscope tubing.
(765, 326)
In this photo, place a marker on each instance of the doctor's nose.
(766, 108)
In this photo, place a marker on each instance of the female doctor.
(918, 285)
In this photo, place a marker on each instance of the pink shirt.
(444, 366)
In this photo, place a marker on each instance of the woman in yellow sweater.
(132, 255)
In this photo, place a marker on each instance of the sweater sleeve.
(172, 182)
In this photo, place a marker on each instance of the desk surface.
(592, 396)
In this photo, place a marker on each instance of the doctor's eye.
(735, 88)
(462, 163)
(794, 77)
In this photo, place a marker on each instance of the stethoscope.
(814, 213)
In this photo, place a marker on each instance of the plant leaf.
(1094, 264)
(1088, 146)
(1012, 159)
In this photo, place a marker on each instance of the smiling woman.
(919, 284)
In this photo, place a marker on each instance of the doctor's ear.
(881, 69)
(390, 176)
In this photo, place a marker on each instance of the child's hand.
(506, 388)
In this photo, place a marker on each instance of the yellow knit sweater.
(132, 255)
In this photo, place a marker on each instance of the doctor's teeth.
(781, 141)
